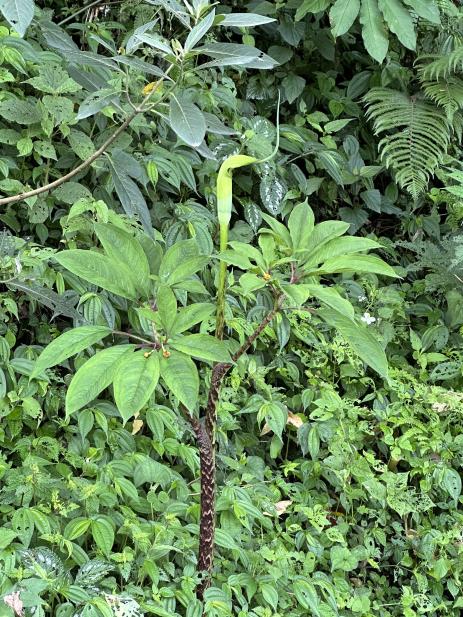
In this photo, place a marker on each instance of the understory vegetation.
(231, 308)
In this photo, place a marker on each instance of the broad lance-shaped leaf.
(203, 347)
(187, 121)
(329, 297)
(399, 21)
(94, 376)
(67, 345)
(301, 225)
(242, 20)
(180, 375)
(134, 382)
(123, 248)
(99, 270)
(355, 263)
(342, 15)
(374, 33)
(199, 31)
(359, 338)
(338, 247)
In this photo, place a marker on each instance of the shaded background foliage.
(339, 492)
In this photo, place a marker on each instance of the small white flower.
(368, 319)
(362, 298)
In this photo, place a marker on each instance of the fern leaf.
(441, 66)
(417, 136)
(447, 94)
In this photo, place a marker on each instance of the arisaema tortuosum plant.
(224, 192)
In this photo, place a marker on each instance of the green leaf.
(123, 248)
(300, 225)
(99, 270)
(81, 144)
(19, 111)
(69, 344)
(342, 15)
(337, 247)
(76, 528)
(181, 261)
(399, 22)
(358, 337)
(330, 297)
(191, 315)
(427, 9)
(94, 376)
(306, 595)
(310, 6)
(6, 537)
(293, 86)
(243, 20)
(203, 347)
(199, 31)
(18, 13)
(343, 559)
(134, 382)
(180, 375)
(187, 121)
(374, 33)
(103, 534)
(356, 263)
(131, 197)
(167, 306)
(270, 595)
(452, 483)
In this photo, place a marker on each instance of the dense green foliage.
(339, 430)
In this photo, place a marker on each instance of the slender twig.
(137, 338)
(52, 185)
(85, 8)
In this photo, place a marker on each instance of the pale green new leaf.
(94, 376)
(342, 15)
(123, 248)
(187, 121)
(134, 382)
(374, 33)
(359, 338)
(99, 270)
(67, 345)
(203, 347)
(399, 21)
(180, 375)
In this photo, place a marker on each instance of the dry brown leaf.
(136, 425)
(265, 430)
(282, 506)
(294, 420)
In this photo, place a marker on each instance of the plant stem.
(205, 438)
(53, 185)
(220, 318)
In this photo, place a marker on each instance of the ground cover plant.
(231, 311)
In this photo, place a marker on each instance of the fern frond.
(417, 136)
(447, 94)
(441, 66)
